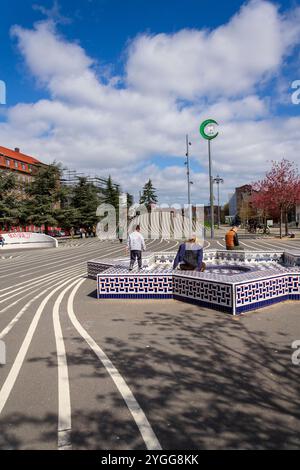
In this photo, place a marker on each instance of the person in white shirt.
(136, 244)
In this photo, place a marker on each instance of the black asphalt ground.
(83, 373)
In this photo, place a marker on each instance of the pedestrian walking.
(136, 244)
(120, 234)
(2, 241)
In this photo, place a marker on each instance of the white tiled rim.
(271, 276)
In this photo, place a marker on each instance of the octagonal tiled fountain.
(233, 282)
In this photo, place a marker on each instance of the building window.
(23, 166)
(16, 164)
(30, 168)
(7, 162)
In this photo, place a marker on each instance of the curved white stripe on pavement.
(64, 401)
(18, 362)
(249, 246)
(206, 241)
(137, 413)
(17, 317)
(281, 245)
(59, 259)
(27, 290)
(81, 261)
(223, 246)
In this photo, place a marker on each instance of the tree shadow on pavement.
(208, 381)
(204, 380)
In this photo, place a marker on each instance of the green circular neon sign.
(208, 129)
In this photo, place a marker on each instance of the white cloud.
(91, 124)
(227, 61)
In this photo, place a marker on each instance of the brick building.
(240, 203)
(23, 166)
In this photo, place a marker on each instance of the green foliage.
(129, 200)
(85, 202)
(44, 194)
(148, 196)
(9, 208)
(45, 201)
(111, 193)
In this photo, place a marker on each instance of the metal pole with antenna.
(218, 180)
(187, 163)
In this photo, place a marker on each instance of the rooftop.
(17, 155)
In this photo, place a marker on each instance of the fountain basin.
(234, 282)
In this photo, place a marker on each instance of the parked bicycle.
(258, 228)
(263, 229)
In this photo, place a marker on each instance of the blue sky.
(103, 28)
(153, 52)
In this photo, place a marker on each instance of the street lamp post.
(187, 163)
(208, 131)
(218, 180)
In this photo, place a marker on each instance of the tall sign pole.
(218, 180)
(208, 131)
(188, 183)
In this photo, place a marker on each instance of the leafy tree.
(67, 215)
(279, 191)
(111, 193)
(44, 194)
(85, 202)
(129, 200)
(148, 196)
(9, 204)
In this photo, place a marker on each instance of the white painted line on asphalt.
(206, 241)
(31, 281)
(19, 360)
(17, 317)
(223, 246)
(249, 246)
(61, 259)
(281, 246)
(41, 257)
(64, 400)
(29, 290)
(136, 411)
(170, 248)
(29, 285)
(30, 270)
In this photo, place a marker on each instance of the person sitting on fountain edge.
(232, 240)
(190, 256)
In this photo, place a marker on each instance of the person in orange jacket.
(231, 238)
